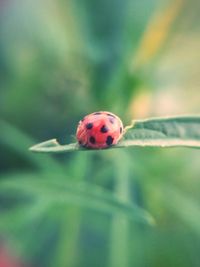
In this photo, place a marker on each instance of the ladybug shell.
(99, 130)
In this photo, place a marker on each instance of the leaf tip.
(32, 148)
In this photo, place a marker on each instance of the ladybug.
(99, 130)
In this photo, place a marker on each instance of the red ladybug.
(99, 130)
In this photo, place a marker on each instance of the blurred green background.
(60, 60)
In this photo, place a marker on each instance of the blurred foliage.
(60, 60)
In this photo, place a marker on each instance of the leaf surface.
(180, 131)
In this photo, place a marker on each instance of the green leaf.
(164, 132)
(177, 131)
(52, 192)
(15, 139)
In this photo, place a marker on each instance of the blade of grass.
(81, 194)
(119, 254)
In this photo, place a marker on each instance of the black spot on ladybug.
(92, 140)
(109, 140)
(111, 115)
(89, 126)
(112, 120)
(104, 129)
(97, 113)
(120, 129)
(80, 142)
